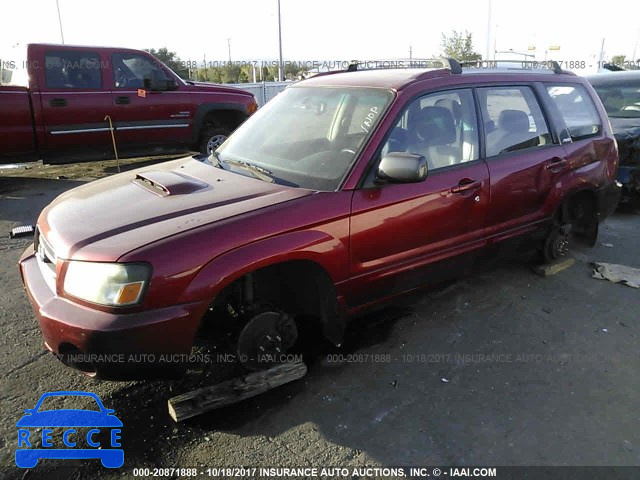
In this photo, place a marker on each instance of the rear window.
(577, 110)
(513, 120)
(70, 69)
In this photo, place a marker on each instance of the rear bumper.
(107, 344)
(608, 199)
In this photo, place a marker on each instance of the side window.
(73, 69)
(513, 120)
(130, 70)
(442, 127)
(577, 110)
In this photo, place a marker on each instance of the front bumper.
(107, 344)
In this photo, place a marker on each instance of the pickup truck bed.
(16, 123)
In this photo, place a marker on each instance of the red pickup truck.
(60, 115)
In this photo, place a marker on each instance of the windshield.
(620, 101)
(307, 136)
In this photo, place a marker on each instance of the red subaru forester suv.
(344, 191)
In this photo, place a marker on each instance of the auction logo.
(82, 433)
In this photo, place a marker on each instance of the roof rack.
(517, 64)
(450, 64)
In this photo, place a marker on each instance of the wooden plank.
(232, 391)
(554, 267)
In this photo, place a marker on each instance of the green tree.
(243, 77)
(171, 60)
(459, 46)
(243, 74)
(618, 59)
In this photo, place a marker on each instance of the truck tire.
(211, 138)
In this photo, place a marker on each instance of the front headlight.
(111, 284)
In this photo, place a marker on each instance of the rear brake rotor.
(265, 339)
(556, 244)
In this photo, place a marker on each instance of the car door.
(523, 156)
(146, 117)
(408, 235)
(74, 101)
(581, 125)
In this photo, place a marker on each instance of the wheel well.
(580, 208)
(298, 287)
(230, 119)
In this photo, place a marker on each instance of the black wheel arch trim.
(205, 109)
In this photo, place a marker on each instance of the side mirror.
(171, 84)
(400, 167)
(154, 84)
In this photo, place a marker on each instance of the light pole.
(487, 52)
(60, 21)
(551, 48)
(280, 65)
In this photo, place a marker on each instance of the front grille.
(46, 259)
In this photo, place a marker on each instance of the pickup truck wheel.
(212, 138)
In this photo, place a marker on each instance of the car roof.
(399, 78)
(631, 77)
(66, 46)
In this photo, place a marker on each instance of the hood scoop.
(166, 183)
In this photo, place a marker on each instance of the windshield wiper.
(258, 172)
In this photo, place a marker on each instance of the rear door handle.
(123, 100)
(557, 164)
(58, 102)
(466, 186)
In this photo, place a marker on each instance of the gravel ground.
(501, 368)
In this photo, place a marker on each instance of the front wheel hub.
(265, 339)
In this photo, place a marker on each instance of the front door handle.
(557, 164)
(124, 100)
(58, 102)
(466, 185)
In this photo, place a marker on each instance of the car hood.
(107, 218)
(216, 87)
(627, 133)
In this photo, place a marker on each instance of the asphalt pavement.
(504, 367)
